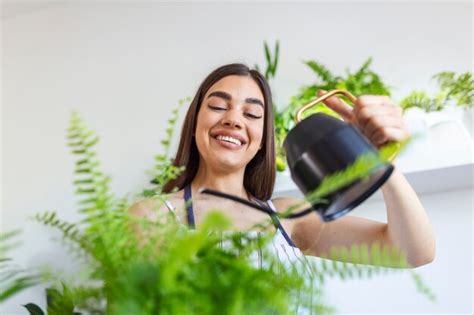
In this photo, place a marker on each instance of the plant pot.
(441, 139)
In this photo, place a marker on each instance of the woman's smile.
(228, 143)
(228, 139)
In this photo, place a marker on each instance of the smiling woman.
(233, 102)
(227, 144)
(229, 127)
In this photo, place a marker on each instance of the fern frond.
(419, 99)
(457, 87)
(91, 183)
(271, 60)
(13, 279)
(321, 71)
(164, 170)
(69, 230)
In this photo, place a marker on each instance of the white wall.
(123, 67)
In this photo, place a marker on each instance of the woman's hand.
(379, 119)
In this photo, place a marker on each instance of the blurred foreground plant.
(167, 268)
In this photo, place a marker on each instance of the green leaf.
(92, 142)
(33, 309)
(268, 56)
(83, 181)
(276, 57)
(321, 71)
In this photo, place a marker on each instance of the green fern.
(324, 75)
(362, 81)
(142, 274)
(100, 233)
(271, 60)
(421, 100)
(70, 231)
(457, 88)
(13, 279)
(164, 169)
(358, 262)
(460, 88)
(92, 186)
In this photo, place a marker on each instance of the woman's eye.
(253, 116)
(216, 107)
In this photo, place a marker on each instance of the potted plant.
(453, 101)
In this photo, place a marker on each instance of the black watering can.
(321, 145)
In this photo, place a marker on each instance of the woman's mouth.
(228, 142)
(229, 139)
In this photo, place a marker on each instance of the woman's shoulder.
(148, 207)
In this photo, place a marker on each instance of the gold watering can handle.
(299, 113)
(347, 94)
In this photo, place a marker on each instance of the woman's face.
(229, 128)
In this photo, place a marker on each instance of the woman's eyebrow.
(228, 97)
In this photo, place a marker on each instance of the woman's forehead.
(237, 87)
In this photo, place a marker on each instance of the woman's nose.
(232, 119)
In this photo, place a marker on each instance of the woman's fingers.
(366, 113)
(388, 134)
(336, 104)
(378, 122)
(379, 119)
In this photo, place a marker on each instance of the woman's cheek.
(257, 136)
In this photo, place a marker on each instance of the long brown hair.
(260, 172)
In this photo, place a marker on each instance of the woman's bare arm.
(408, 228)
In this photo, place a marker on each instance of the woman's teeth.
(229, 139)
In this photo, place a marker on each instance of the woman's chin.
(228, 164)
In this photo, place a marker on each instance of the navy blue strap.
(285, 235)
(192, 224)
(189, 206)
(277, 223)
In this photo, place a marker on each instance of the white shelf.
(423, 181)
(429, 168)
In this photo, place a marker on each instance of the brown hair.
(260, 172)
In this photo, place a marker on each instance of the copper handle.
(299, 113)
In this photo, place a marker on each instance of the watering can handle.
(347, 94)
(299, 113)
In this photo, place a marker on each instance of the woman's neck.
(227, 182)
